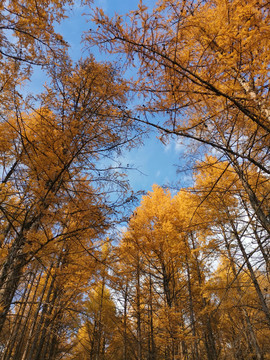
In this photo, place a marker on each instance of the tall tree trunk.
(37, 342)
(46, 326)
(195, 354)
(152, 347)
(100, 320)
(209, 339)
(250, 332)
(10, 276)
(19, 330)
(36, 314)
(12, 268)
(138, 311)
(125, 342)
(261, 298)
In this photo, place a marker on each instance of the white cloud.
(179, 145)
(168, 147)
(176, 145)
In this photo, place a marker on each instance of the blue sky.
(154, 161)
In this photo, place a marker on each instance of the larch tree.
(204, 68)
(55, 181)
(221, 194)
(192, 272)
(58, 146)
(174, 313)
(190, 276)
(235, 244)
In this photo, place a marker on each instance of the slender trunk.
(249, 326)
(100, 319)
(46, 320)
(10, 276)
(195, 354)
(35, 317)
(166, 284)
(138, 312)
(12, 268)
(93, 344)
(53, 326)
(47, 326)
(209, 339)
(125, 322)
(152, 347)
(52, 345)
(168, 292)
(183, 345)
(35, 347)
(261, 298)
(17, 334)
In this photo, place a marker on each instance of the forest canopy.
(87, 271)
